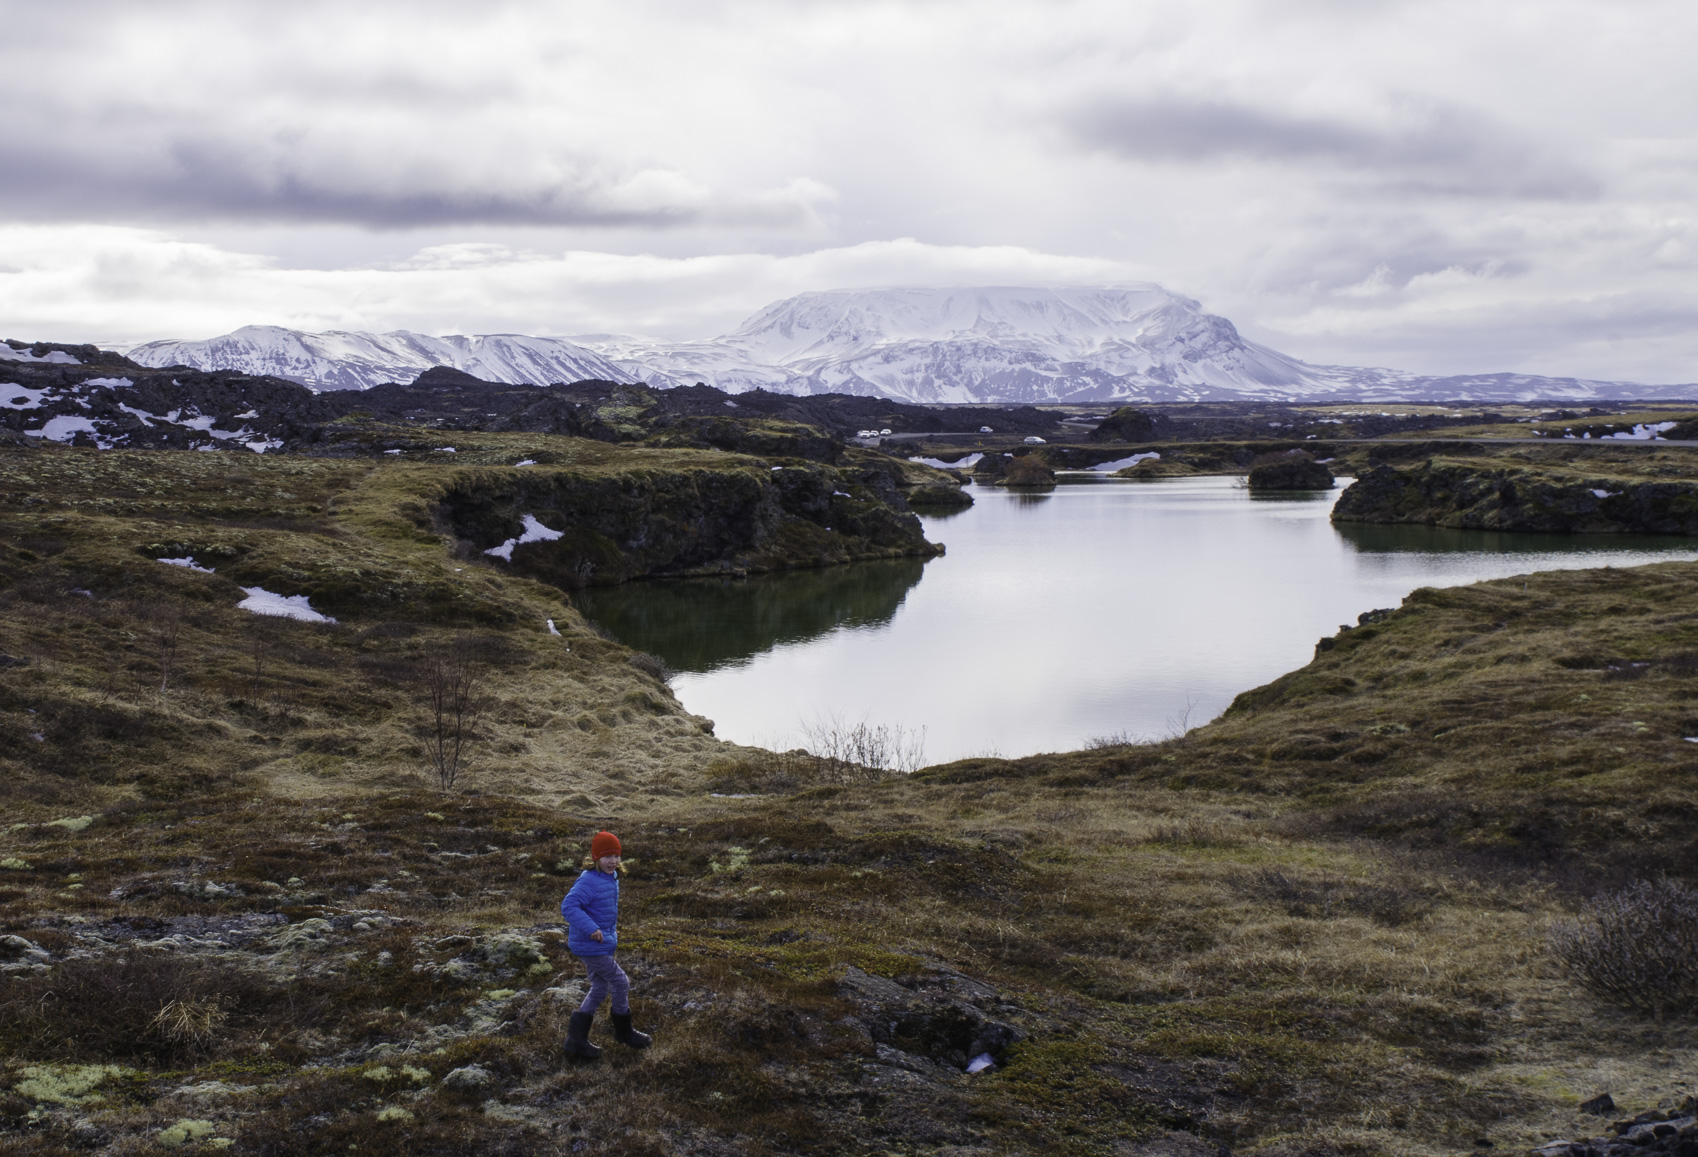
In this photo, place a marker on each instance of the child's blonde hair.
(589, 863)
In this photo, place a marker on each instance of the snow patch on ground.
(18, 398)
(1643, 432)
(186, 562)
(53, 357)
(1605, 493)
(263, 602)
(526, 462)
(966, 463)
(109, 383)
(62, 428)
(534, 532)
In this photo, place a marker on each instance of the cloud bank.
(1441, 186)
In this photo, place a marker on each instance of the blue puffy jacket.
(592, 904)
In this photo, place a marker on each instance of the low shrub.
(1637, 947)
(145, 1006)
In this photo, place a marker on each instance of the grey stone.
(468, 1078)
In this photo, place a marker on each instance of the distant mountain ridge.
(990, 345)
(344, 360)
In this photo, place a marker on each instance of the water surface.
(1100, 608)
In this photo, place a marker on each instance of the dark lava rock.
(1125, 425)
(1475, 498)
(1601, 1105)
(439, 376)
(938, 1017)
(1656, 1132)
(1293, 470)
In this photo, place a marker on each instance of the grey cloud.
(1426, 148)
(206, 181)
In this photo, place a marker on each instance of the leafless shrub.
(167, 629)
(1179, 725)
(651, 665)
(259, 651)
(1117, 739)
(450, 679)
(855, 752)
(1637, 947)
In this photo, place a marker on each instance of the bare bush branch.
(450, 679)
(167, 629)
(1637, 947)
(851, 753)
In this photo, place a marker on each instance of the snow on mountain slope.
(973, 345)
(996, 345)
(340, 360)
(1004, 344)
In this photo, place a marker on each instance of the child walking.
(591, 910)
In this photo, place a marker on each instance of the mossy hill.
(234, 913)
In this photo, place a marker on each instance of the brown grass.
(1315, 925)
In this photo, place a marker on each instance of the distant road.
(974, 434)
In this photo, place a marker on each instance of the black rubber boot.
(628, 1036)
(578, 1036)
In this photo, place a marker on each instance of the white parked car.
(1034, 440)
(985, 430)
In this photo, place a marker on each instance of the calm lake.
(1103, 607)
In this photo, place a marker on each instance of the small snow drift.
(1123, 463)
(966, 463)
(534, 532)
(186, 562)
(263, 602)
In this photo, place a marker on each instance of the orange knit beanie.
(604, 844)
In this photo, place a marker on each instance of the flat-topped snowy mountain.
(1137, 342)
(986, 345)
(341, 360)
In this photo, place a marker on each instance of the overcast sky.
(1435, 186)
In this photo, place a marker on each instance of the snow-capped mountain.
(1137, 342)
(985, 345)
(341, 360)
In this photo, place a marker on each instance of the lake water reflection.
(1099, 608)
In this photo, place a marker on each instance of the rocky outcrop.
(1656, 1133)
(1477, 498)
(941, 1016)
(1027, 470)
(599, 528)
(1293, 470)
(1125, 425)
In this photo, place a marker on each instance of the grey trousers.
(606, 977)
